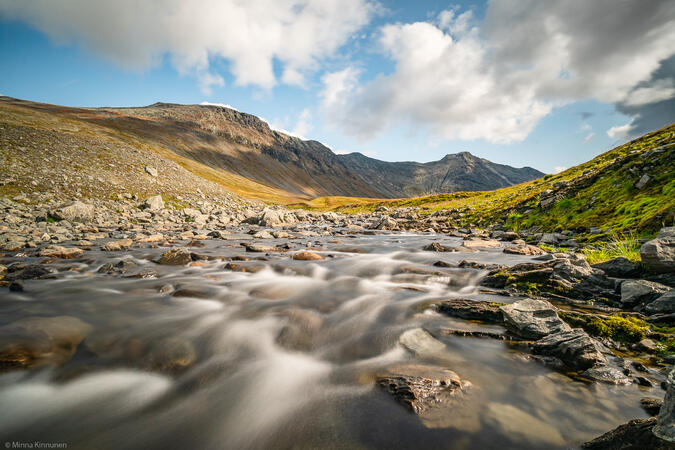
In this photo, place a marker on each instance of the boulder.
(641, 291)
(260, 248)
(154, 203)
(386, 223)
(57, 251)
(421, 343)
(658, 255)
(272, 218)
(420, 387)
(532, 319)
(151, 171)
(116, 246)
(436, 247)
(665, 425)
(28, 272)
(619, 267)
(635, 435)
(651, 405)
(307, 256)
(74, 212)
(606, 374)
(575, 348)
(524, 249)
(665, 304)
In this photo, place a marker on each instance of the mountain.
(243, 154)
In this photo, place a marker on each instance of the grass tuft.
(626, 245)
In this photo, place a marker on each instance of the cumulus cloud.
(222, 105)
(619, 131)
(302, 127)
(588, 137)
(495, 80)
(559, 169)
(252, 35)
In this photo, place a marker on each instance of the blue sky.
(393, 80)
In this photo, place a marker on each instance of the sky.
(545, 84)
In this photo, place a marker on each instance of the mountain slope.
(630, 188)
(243, 154)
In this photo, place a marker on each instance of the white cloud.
(497, 79)
(586, 127)
(588, 137)
(559, 169)
(222, 105)
(302, 127)
(250, 34)
(619, 131)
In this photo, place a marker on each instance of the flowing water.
(285, 356)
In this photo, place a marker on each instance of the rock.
(651, 405)
(300, 332)
(171, 355)
(525, 249)
(665, 304)
(387, 223)
(606, 374)
(420, 387)
(665, 425)
(658, 255)
(635, 435)
(273, 218)
(154, 203)
(532, 319)
(548, 239)
(57, 251)
(74, 212)
(117, 246)
(521, 426)
(263, 235)
(151, 171)
(151, 239)
(29, 272)
(470, 309)
(15, 286)
(37, 341)
(641, 291)
(436, 247)
(573, 347)
(619, 267)
(175, 257)
(642, 182)
(481, 243)
(259, 248)
(646, 345)
(307, 256)
(666, 232)
(421, 343)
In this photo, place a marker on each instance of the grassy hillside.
(600, 193)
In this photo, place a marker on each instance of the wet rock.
(116, 246)
(260, 248)
(74, 212)
(300, 332)
(573, 347)
(263, 235)
(154, 203)
(634, 435)
(37, 341)
(192, 293)
(651, 405)
(307, 256)
(619, 267)
(470, 309)
(646, 345)
(606, 374)
(3, 271)
(464, 264)
(641, 291)
(642, 381)
(387, 223)
(166, 289)
(436, 247)
(420, 387)
(443, 264)
(29, 272)
(179, 256)
(522, 426)
(665, 304)
(525, 249)
(665, 426)
(57, 251)
(532, 319)
(481, 243)
(171, 355)
(658, 255)
(421, 343)
(15, 286)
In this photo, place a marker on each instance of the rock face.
(619, 267)
(532, 319)
(419, 387)
(574, 347)
(665, 426)
(74, 212)
(658, 255)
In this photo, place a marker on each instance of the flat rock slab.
(57, 251)
(574, 347)
(525, 250)
(470, 309)
(532, 319)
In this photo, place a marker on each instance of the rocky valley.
(140, 268)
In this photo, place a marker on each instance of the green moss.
(624, 329)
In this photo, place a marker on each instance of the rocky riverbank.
(608, 324)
